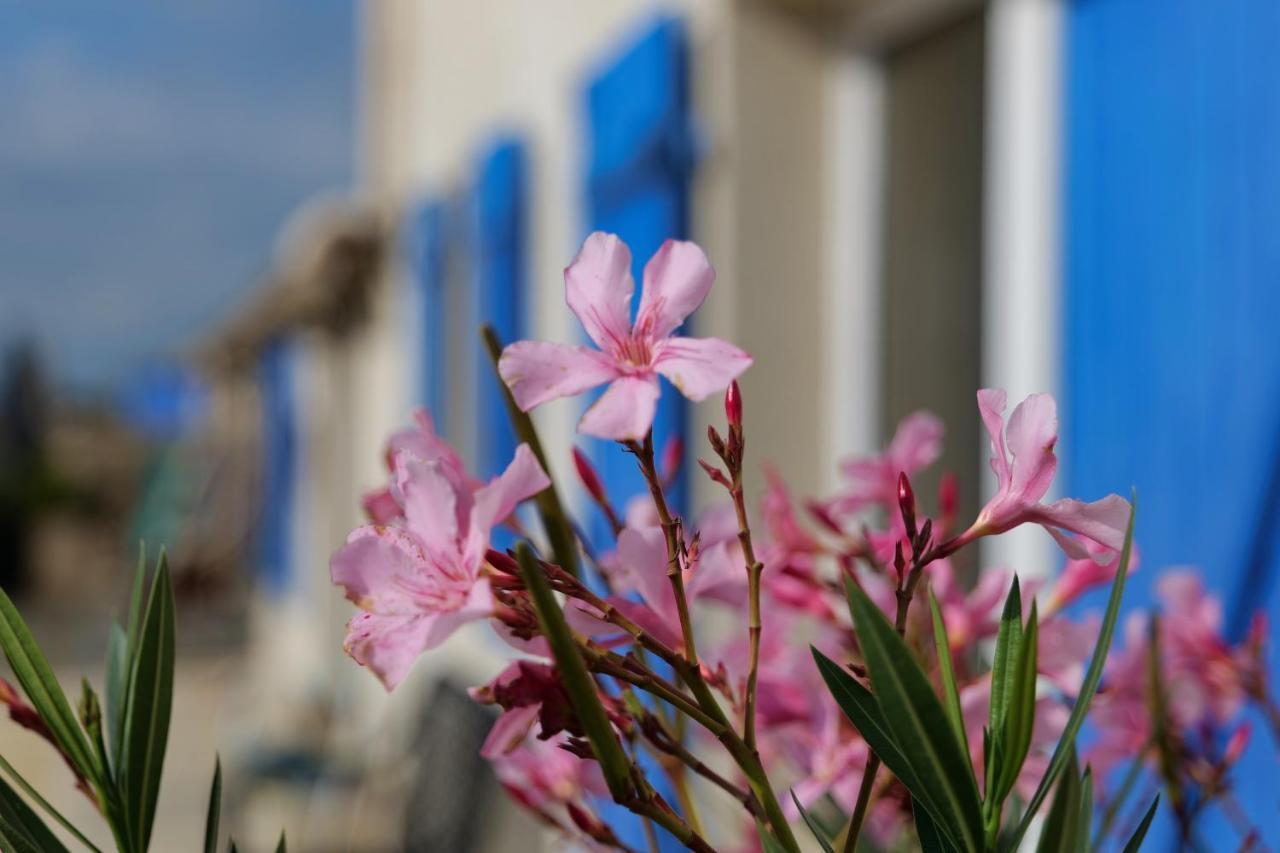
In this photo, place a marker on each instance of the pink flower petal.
(523, 478)
(676, 280)
(388, 645)
(625, 411)
(436, 509)
(537, 371)
(991, 402)
(644, 554)
(374, 566)
(1032, 434)
(598, 288)
(1104, 521)
(509, 731)
(699, 367)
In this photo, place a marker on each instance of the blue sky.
(149, 151)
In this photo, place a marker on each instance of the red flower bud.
(587, 474)
(504, 563)
(733, 405)
(907, 505)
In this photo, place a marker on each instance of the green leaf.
(554, 518)
(1084, 823)
(918, 724)
(44, 804)
(117, 681)
(147, 708)
(280, 848)
(1059, 832)
(21, 829)
(1019, 714)
(1090, 686)
(767, 841)
(1135, 841)
(576, 679)
(864, 712)
(33, 672)
(1008, 641)
(946, 670)
(931, 840)
(813, 826)
(215, 809)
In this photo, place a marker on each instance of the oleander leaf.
(919, 725)
(214, 813)
(1020, 713)
(1135, 841)
(818, 834)
(1093, 675)
(947, 673)
(21, 829)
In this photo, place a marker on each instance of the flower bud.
(715, 474)
(907, 505)
(717, 443)
(733, 405)
(504, 563)
(587, 474)
(1237, 743)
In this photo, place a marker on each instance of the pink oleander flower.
(873, 480)
(1200, 673)
(418, 578)
(598, 289)
(1024, 463)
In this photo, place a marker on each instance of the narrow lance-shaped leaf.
(947, 673)
(1058, 833)
(36, 677)
(148, 706)
(117, 682)
(1135, 841)
(44, 804)
(1020, 714)
(816, 830)
(1084, 823)
(554, 518)
(864, 712)
(931, 839)
(21, 829)
(918, 723)
(1008, 641)
(575, 677)
(215, 809)
(1087, 688)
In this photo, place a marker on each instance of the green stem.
(551, 510)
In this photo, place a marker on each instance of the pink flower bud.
(587, 474)
(504, 563)
(733, 405)
(1237, 743)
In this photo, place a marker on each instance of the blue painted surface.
(637, 186)
(427, 233)
(641, 159)
(1173, 295)
(279, 467)
(501, 264)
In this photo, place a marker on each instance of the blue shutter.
(279, 466)
(500, 275)
(1173, 259)
(427, 236)
(638, 178)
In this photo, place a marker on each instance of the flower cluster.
(637, 645)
